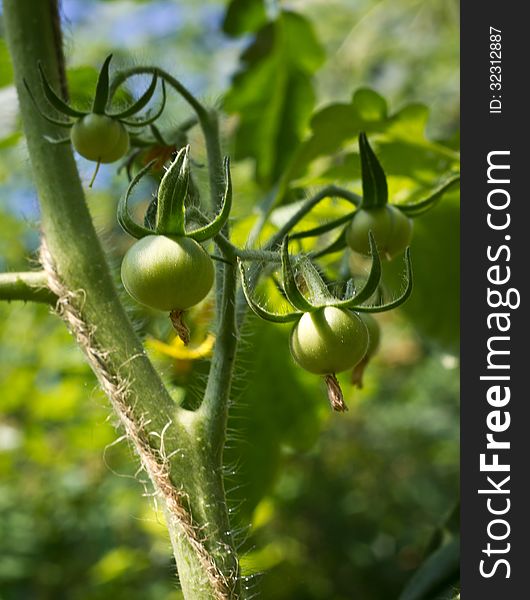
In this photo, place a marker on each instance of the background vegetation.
(327, 506)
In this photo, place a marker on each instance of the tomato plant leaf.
(273, 94)
(244, 16)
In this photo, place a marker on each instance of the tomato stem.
(96, 170)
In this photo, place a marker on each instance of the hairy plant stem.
(173, 444)
(30, 286)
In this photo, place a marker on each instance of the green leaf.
(409, 158)
(273, 94)
(244, 16)
(369, 105)
(438, 572)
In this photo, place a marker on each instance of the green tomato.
(100, 138)
(329, 340)
(167, 273)
(374, 334)
(392, 230)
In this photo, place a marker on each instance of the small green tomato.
(100, 138)
(329, 340)
(167, 273)
(392, 230)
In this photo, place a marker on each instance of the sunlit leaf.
(273, 93)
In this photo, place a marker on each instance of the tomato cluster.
(167, 269)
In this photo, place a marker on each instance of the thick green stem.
(66, 222)
(29, 287)
(184, 469)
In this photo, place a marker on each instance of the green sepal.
(336, 246)
(318, 291)
(101, 96)
(57, 102)
(258, 310)
(150, 214)
(294, 295)
(172, 195)
(375, 187)
(421, 206)
(398, 301)
(44, 115)
(316, 231)
(213, 228)
(153, 118)
(140, 103)
(124, 219)
(371, 284)
(156, 132)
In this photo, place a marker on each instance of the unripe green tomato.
(329, 340)
(374, 333)
(167, 273)
(100, 138)
(392, 230)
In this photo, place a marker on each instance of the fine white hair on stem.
(153, 460)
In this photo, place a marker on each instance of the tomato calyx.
(329, 333)
(320, 295)
(167, 268)
(98, 135)
(172, 198)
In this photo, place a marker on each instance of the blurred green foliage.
(324, 506)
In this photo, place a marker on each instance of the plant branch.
(275, 241)
(329, 191)
(31, 286)
(88, 302)
(207, 120)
